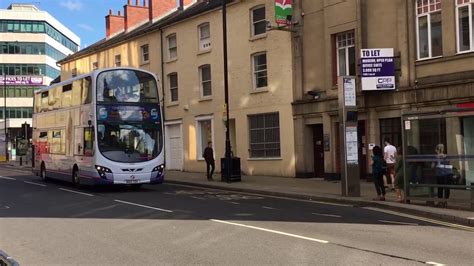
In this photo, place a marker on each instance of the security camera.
(314, 94)
(416, 82)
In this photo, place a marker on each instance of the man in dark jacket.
(209, 157)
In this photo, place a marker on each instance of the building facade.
(433, 43)
(31, 42)
(182, 44)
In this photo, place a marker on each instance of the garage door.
(174, 147)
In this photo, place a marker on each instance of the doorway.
(318, 148)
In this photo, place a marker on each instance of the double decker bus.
(104, 127)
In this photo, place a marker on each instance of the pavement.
(313, 189)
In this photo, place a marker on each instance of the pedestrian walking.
(378, 172)
(208, 155)
(389, 155)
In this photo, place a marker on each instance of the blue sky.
(86, 18)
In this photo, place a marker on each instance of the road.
(44, 223)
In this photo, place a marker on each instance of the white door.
(174, 147)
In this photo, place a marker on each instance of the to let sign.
(377, 69)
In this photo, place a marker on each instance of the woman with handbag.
(444, 174)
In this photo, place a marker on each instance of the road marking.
(77, 192)
(458, 226)
(265, 196)
(394, 222)
(268, 208)
(7, 178)
(36, 184)
(327, 215)
(435, 263)
(235, 203)
(143, 206)
(273, 231)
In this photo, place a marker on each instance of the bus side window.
(44, 101)
(86, 90)
(37, 105)
(88, 141)
(57, 97)
(79, 139)
(66, 96)
(76, 92)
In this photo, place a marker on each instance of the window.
(429, 35)
(264, 136)
(206, 81)
(145, 55)
(259, 62)
(204, 37)
(172, 47)
(391, 128)
(259, 24)
(173, 83)
(74, 72)
(345, 54)
(95, 66)
(465, 25)
(118, 60)
(204, 134)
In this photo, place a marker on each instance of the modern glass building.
(31, 42)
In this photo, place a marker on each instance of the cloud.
(73, 5)
(85, 27)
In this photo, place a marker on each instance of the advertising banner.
(283, 12)
(377, 69)
(23, 80)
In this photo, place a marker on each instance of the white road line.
(7, 178)
(36, 184)
(458, 226)
(273, 231)
(143, 206)
(394, 222)
(268, 208)
(235, 203)
(434, 263)
(77, 192)
(326, 215)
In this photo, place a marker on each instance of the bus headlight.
(102, 170)
(159, 168)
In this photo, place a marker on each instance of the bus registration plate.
(132, 180)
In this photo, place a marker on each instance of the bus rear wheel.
(43, 173)
(76, 180)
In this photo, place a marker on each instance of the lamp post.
(230, 166)
(5, 108)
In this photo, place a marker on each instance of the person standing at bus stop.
(390, 155)
(208, 155)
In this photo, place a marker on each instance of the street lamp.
(230, 166)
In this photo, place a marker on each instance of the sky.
(86, 18)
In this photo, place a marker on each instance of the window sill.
(458, 56)
(265, 159)
(173, 104)
(205, 99)
(258, 37)
(206, 51)
(171, 60)
(428, 59)
(145, 63)
(259, 90)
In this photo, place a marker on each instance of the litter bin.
(230, 168)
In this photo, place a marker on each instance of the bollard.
(21, 160)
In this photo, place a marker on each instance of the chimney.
(113, 23)
(135, 14)
(159, 8)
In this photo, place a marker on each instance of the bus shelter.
(438, 156)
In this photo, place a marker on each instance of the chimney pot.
(145, 3)
(120, 13)
(130, 2)
(110, 12)
(137, 2)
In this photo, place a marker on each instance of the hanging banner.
(377, 69)
(22, 80)
(283, 12)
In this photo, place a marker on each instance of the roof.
(179, 15)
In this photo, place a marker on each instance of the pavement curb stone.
(350, 201)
